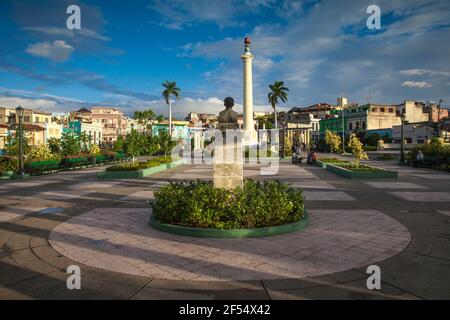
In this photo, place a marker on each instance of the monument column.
(247, 59)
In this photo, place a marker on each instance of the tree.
(372, 139)
(264, 121)
(84, 140)
(277, 92)
(357, 149)
(145, 118)
(133, 144)
(12, 145)
(170, 89)
(54, 144)
(160, 118)
(70, 144)
(119, 143)
(333, 141)
(166, 143)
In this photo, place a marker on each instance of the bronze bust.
(228, 116)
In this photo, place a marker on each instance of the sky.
(126, 49)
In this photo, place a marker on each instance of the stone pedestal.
(228, 164)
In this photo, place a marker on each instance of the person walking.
(419, 159)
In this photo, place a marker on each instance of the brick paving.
(119, 239)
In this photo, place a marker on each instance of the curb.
(230, 233)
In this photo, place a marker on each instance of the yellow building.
(36, 125)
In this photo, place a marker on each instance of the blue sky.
(126, 49)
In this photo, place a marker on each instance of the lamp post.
(402, 142)
(343, 132)
(20, 112)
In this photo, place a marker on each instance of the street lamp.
(402, 142)
(20, 112)
(343, 132)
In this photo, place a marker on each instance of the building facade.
(93, 131)
(180, 129)
(112, 121)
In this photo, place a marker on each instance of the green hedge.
(140, 165)
(69, 162)
(74, 161)
(255, 205)
(42, 166)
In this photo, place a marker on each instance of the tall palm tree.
(170, 89)
(277, 92)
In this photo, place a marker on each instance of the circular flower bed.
(255, 205)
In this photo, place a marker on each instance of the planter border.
(139, 174)
(230, 233)
(324, 164)
(379, 174)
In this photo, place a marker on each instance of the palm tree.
(170, 89)
(278, 92)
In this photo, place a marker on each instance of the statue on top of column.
(247, 43)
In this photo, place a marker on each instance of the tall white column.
(247, 59)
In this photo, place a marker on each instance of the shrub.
(8, 163)
(140, 165)
(40, 153)
(256, 204)
(42, 166)
(94, 149)
(358, 152)
(127, 167)
(333, 160)
(74, 161)
(435, 148)
(110, 156)
(360, 167)
(333, 141)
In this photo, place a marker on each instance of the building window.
(364, 125)
(382, 109)
(350, 126)
(26, 118)
(391, 110)
(374, 109)
(357, 125)
(37, 119)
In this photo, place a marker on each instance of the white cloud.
(416, 84)
(58, 51)
(13, 102)
(424, 72)
(54, 31)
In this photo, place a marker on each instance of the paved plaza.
(402, 225)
